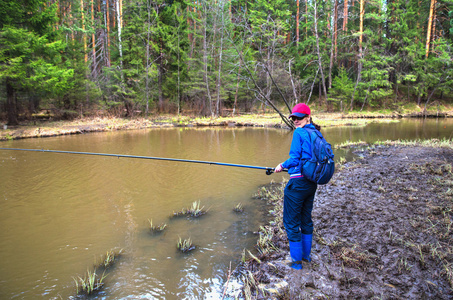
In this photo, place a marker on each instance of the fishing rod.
(269, 171)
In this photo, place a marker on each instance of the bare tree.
(333, 46)
(258, 90)
(222, 25)
(318, 51)
(205, 57)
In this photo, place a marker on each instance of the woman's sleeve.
(306, 146)
(295, 152)
(300, 149)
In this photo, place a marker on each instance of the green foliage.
(31, 56)
(32, 62)
(376, 77)
(152, 50)
(185, 54)
(173, 30)
(34, 15)
(450, 15)
(342, 87)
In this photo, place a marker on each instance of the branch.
(278, 89)
(284, 118)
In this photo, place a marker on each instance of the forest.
(221, 57)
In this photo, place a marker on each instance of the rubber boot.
(306, 246)
(295, 250)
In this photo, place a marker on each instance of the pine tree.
(30, 55)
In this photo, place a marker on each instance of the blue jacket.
(300, 149)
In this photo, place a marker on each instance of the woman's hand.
(278, 168)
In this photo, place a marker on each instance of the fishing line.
(269, 171)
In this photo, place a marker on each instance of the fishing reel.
(269, 171)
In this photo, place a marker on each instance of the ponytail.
(318, 127)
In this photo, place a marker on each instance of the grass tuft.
(185, 245)
(265, 244)
(89, 284)
(156, 229)
(194, 211)
(238, 208)
(110, 257)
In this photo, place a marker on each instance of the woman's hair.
(318, 127)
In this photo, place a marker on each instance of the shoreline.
(382, 229)
(40, 128)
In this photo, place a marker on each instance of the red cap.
(300, 110)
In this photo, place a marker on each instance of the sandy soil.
(383, 230)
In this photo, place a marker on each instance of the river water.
(60, 213)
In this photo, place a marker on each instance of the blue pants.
(297, 206)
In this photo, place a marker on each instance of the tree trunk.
(148, 3)
(268, 67)
(159, 81)
(296, 97)
(11, 103)
(345, 16)
(120, 43)
(360, 63)
(297, 23)
(220, 64)
(83, 30)
(430, 23)
(335, 19)
(93, 40)
(107, 8)
(85, 52)
(71, 22)
(189, 32)
(433, 32)
(362, 12)
(319, 53)
(205, 64)
(57, 23)
(179, 61)
(120, 19)
(366, 96)
(333, 43)
(194, 25)
(237, 91)
(358, 80)
(306, 21)
(312, 86)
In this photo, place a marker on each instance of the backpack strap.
(310, 132)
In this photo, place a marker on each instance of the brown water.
(60, 212)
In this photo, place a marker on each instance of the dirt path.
(383, 230)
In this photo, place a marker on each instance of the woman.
(299, 192)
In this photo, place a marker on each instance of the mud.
(383, 230)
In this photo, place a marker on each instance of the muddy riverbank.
(383, 230)
(86, 125)
(48, 128)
